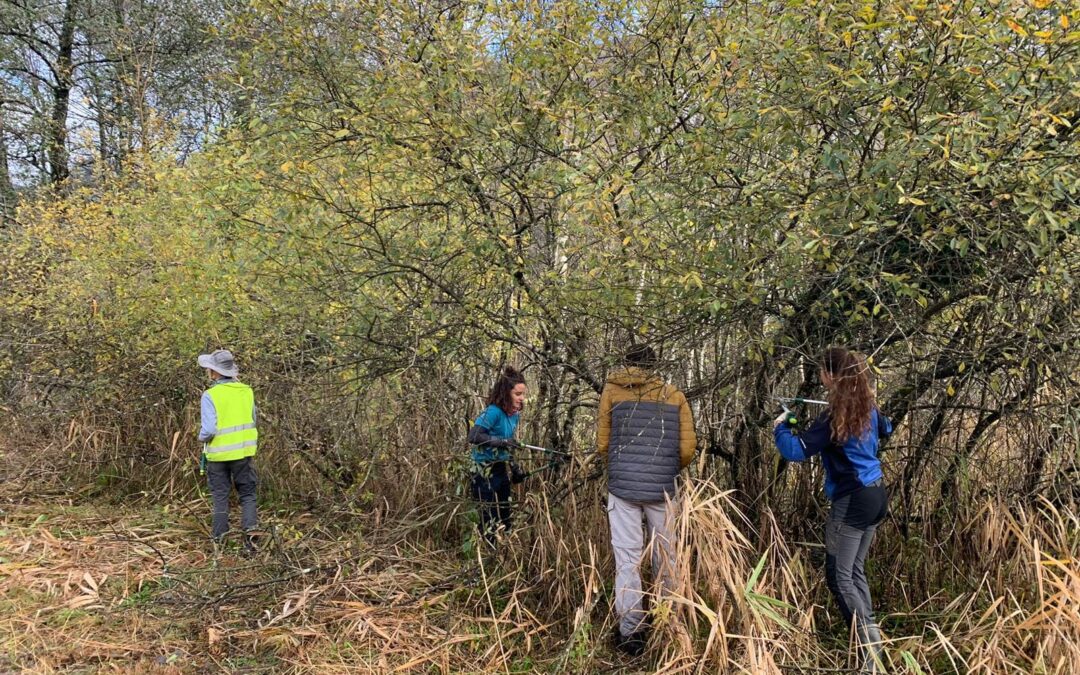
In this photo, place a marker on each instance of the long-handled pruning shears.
(790, 416)
(547, 450)
(558, 457)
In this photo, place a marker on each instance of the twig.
(491, 605)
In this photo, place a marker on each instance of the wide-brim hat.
(220, 361)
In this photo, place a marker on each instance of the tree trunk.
(8, 195)
(57, 142)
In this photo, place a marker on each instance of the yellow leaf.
(1017, 28)
(907, 199)
(287, 167)
(1064, 21)
(950, 391)
(1041, 4)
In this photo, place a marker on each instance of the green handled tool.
(790, 416)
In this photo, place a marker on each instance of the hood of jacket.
(632, 377)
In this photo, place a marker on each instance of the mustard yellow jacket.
(646, 430)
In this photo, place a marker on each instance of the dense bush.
(425, 191)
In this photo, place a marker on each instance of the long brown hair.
(503, 387)
(851, 400)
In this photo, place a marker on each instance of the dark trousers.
(849, 531)
(222, 477)
(491, 490)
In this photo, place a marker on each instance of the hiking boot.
(633, 644)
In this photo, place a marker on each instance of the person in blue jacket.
(492, 440)
(847, 436)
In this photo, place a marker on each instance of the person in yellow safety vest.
(229, 438)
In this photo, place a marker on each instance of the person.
(646, 431)
(230, 440)
(847, 436)
(492, 440)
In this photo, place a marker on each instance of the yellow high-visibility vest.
(236, 436)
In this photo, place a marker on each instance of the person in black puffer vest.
(646, 431)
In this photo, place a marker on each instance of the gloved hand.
(509, 443)
(517, 474)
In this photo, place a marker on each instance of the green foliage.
(764, 606)
(440, 188)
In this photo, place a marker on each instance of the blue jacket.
(848, 466)
(497, 424)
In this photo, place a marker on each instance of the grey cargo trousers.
(222, 476)
(628, 542)
(846, 549)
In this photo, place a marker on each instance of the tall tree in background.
(7, 188)
(40, 69)
(154, 78)
(90, 81)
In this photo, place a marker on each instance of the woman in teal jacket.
(492, 438)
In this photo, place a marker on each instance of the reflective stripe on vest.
(236, 436)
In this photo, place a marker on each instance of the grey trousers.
(628, 542)
(846, 548)
(222, 476)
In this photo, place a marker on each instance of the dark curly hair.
(500, 391)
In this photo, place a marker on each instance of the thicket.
(421, 192)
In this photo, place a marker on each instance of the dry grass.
(93, 586)
(139, 589)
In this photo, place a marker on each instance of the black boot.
(633, 644)
(249, 545)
